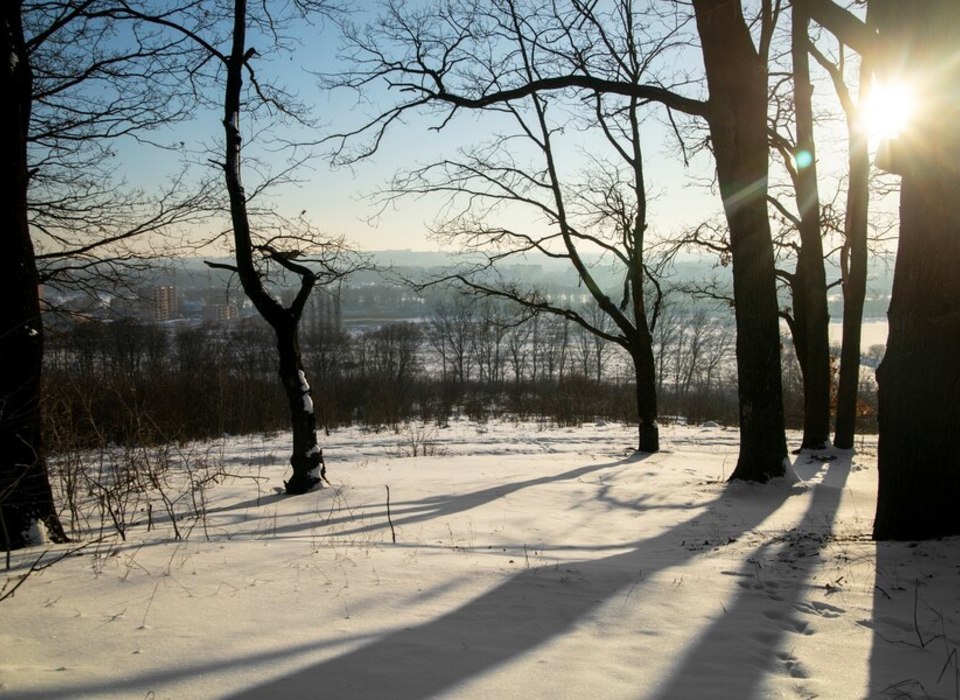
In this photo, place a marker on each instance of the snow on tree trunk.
(25, 495)
(306, 457)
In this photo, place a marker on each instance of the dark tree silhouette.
(737, 78)
(428, 69)
(75, 84)
(290, 249)
(25, 495)
(919, 378)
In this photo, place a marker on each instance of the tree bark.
(649, 429)
(737, 115)
(640, 341)
(919, 378)
(25, 495)
(812, 319)
(853, 265)
(307, 456)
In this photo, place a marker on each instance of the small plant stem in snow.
(393, 532)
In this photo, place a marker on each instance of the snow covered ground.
(529, 562)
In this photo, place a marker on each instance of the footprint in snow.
(793, 665)
(820, 609)
(788, 623)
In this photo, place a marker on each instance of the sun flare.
(888, 109)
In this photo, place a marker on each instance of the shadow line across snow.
(512, 619)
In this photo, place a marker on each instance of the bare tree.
(919, 378)
(736, 72)
(518, 47)
(283, 249)
(102, 85)
(589, 348)
(25, 495)
(809, 319)
(391, 354)
(854, 249)
(519, 341)
(450, 332)
(268, 250)
(444, 65)
(75, 84)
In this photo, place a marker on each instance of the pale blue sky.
(336, 199)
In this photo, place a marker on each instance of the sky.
(339, 200)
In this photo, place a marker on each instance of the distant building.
(323, 310)
(221, 312)
(164, 303)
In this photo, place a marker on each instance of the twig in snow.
(393, 532)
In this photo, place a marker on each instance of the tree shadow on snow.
(520, 614)
(772, 611)
(914, 621)
(354, 521)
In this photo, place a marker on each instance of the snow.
(530, 562)
(305, 390)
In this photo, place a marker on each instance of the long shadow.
(509, 620)
(138, 686)
(883, 645)
(503, 624)
(723, 657)
(915, 651)
(405, 513)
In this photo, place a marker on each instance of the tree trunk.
(853, 265)
(919, 378)
(640, 346)
(646, 378)
(810, 288)
(306, 456)
(737, 79)
(25, 495)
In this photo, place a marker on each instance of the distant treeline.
(126, 382)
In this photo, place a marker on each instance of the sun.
(888, 109)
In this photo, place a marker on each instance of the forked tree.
(603, 210)
(268, 250)
(264, 255)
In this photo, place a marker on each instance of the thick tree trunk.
(811, 316)
(25, 495)
(306, 456)
(919, 378)
(853, 266)
(646, 377)
(737, 79)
